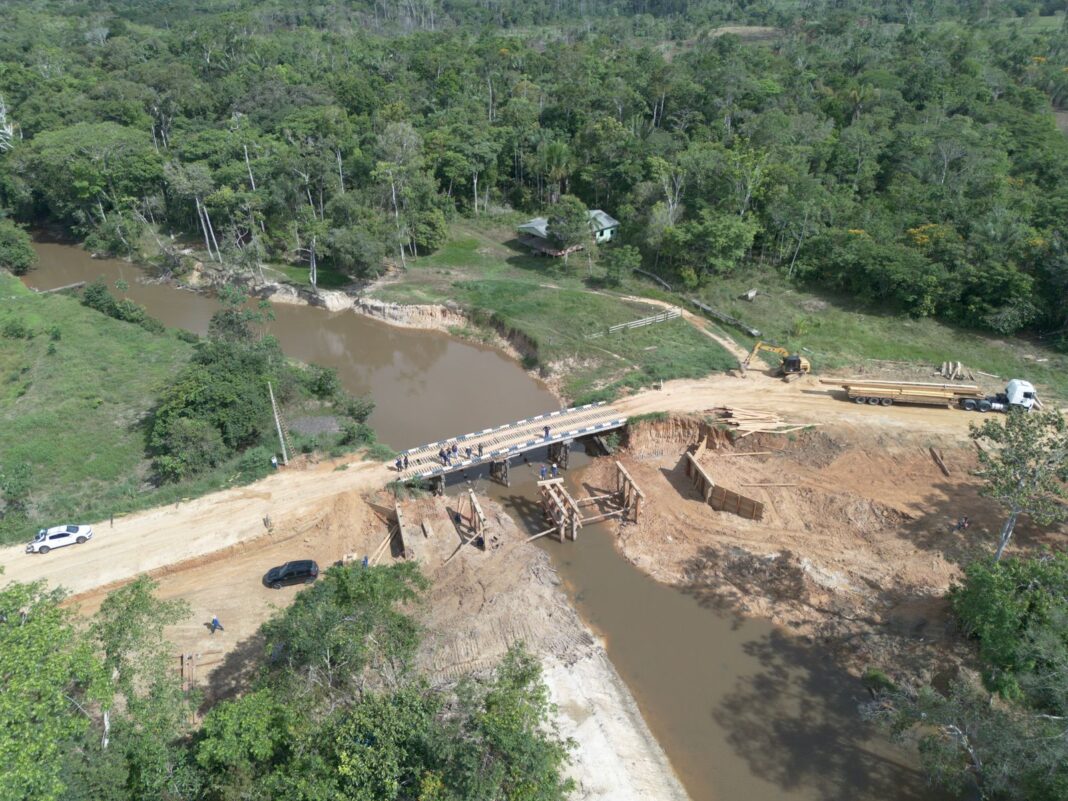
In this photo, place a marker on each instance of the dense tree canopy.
(903, 153)
(99, 713)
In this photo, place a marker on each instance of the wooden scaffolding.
(560, 508)
(567, 515)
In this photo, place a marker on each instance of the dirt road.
(805, 400)
(165, 537)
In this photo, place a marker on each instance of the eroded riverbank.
(431, 386)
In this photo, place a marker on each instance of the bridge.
(495, 446)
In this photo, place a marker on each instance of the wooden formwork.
(566, 513)
(475, 515)
(406, 540)
(721, 498)
(561, 508)
(630, 496)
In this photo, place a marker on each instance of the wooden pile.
(749, 422)
(955, 371)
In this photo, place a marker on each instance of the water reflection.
(426, 385)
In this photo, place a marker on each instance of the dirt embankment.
(480, 603)
(857, 545)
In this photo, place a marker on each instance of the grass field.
(549, 302)
(837, 333)
(551, 305)
(75, 402)
(73, 407)
(299, 276)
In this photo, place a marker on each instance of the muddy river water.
(743, 710)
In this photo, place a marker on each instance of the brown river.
(744, 711)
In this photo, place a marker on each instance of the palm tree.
(557, 163)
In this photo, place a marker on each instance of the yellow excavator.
(792, 366)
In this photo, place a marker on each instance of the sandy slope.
(212, 551)
(154, 539)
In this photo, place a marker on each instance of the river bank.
(480, 603)
(687, 665)
(856, 549)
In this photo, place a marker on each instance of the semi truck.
(1018, 394)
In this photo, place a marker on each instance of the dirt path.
(166, 536)
(697, 322)
(158, 538)
(805, 400)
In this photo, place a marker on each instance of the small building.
(535, 233)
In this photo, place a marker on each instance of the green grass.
(550, 305)
(76, 410)
(77, 415)
(299, 276)
(843, 336)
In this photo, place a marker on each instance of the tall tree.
(1024, 464)
(49, 680)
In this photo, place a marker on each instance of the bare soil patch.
(857, 547)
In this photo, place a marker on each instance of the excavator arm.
(792, 366)
(763, 346)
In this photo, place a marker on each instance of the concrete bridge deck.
(511, 439)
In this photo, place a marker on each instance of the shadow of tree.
(795, 724)
(936, 530)
(236, 673)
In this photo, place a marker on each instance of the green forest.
(334, 708)
(904, 153)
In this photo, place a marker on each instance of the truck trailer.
(1018, 394)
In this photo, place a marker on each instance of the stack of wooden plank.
(955, 371)
(747, 422)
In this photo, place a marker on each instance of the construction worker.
(546, 432)
(555, 472)
(544, 472)
(215, 624)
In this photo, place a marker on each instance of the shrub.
(16, 329)
(16, 252)
(359, 409)
(353, 433)
(322, 382)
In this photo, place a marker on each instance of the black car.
(303, 571)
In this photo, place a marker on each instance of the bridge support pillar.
(499, 471)
(559, 454)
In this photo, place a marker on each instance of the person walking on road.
(546, 432)
(216, 625)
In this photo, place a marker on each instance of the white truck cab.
(1021, 394)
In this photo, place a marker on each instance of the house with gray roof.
(535, 233)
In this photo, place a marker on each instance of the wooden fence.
(670, 314)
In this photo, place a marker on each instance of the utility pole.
(278, 426)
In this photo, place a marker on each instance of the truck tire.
(984, 405)
(860, 400)
(873, 401)
(886, 402)
(968, 404)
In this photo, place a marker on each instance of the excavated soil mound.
(856, 544)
